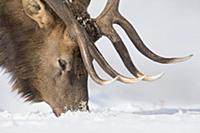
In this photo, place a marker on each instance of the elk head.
(43, 60)
(50, 52)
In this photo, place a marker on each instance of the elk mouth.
(81, 106)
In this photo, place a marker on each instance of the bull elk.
(48, 47)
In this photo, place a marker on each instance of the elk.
(48, 47)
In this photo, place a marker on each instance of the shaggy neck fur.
(19, 44)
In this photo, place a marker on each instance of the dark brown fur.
(19, 45)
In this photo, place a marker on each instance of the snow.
(127, 118)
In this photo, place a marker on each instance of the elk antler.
(105, 21)
(87, 48)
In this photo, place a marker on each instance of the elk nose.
(62, 64)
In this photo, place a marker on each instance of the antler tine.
(111, 15)
(139, 44)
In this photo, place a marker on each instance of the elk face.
(55, 70)
(55, 73)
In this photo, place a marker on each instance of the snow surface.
(129, 118)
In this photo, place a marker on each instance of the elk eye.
(62, 64)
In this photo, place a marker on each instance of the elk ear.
(36, 10)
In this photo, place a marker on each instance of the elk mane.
(18, 47)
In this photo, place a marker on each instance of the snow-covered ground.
(129, 118)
